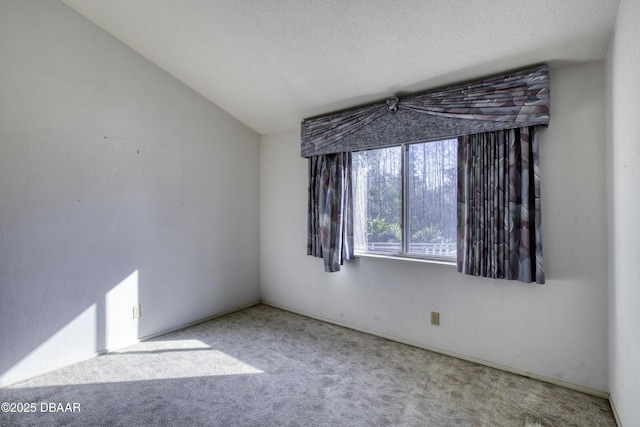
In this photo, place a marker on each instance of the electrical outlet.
(137, 311)
(435, 318)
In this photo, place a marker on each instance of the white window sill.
(405, 258)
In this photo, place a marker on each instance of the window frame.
(404, 213)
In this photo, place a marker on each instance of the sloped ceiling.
(271, 63)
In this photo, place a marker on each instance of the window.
(405, 200)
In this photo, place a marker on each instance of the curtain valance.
(504, 101)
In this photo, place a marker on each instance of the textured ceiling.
(271, 63)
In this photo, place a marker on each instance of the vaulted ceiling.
(271, 63)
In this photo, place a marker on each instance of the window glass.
(427, 210)
(431, 198)
(377, 196)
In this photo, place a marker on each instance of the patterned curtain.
(516, 99)
(330, 213)
(499, 222)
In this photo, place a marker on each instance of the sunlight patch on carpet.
(154, 360)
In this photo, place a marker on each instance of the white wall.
(118, 185)
(623, 70)
(557, 330)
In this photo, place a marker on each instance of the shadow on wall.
(60, 333)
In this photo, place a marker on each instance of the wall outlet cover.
(435, 318)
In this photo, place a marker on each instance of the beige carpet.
(267, 367)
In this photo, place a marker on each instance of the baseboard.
(13, 380)
(195, 322)
(531, 375)
(615, 413)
